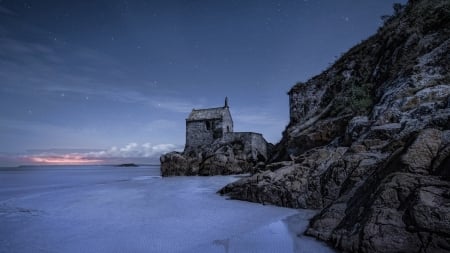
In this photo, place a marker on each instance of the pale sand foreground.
(110, 209)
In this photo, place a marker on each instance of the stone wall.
(253, 143)
(227, 123)
(205, 132)
(197, 134)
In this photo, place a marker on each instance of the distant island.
(128, 165)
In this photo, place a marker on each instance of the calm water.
(113, 209)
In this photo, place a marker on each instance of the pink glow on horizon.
(66, 159)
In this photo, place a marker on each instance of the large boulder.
(176, 164)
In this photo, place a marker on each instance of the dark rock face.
(397, 208)
(369, 141)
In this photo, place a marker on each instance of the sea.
(133, 209)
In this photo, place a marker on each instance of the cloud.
(26, 66)
(134, 150)
(128, 95)
(62, 67)
(7, 11)
(57, 67)
(111, 93)
(62, 151)
(174, 105)
(26, 134)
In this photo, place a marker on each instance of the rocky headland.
(369, 141)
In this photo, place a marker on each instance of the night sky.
(108, 81)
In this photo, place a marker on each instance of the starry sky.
(109, 81)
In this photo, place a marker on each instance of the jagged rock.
(369, 141)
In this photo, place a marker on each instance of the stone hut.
(213, 148)
(204, 126)
(214, 127)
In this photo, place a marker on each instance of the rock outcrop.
(235, 153)
(369, 141)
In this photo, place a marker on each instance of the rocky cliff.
(369, 141)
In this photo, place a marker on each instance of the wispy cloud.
(62, 151)
(174, 105)
(32, 66)
(25, 131)
(134, 150)
(7, 11)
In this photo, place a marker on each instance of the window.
(217, 134)
(208, 125)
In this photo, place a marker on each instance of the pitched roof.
(210, 113)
